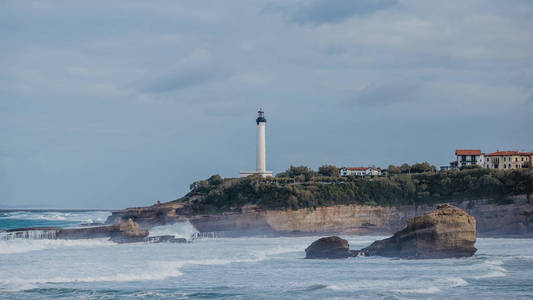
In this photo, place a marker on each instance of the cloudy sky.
(108, 104)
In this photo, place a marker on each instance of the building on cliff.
(360, 171)
(469, 157)
(260, 150)
(504, 160)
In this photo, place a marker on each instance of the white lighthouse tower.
(260, 161)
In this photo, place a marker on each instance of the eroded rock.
(443, 233)
(446, 232)
(129, 232)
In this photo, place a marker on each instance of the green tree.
(405, 168)
(423, 167)
(294, 172)
(393, 170)
(215, 180)
(329, 170)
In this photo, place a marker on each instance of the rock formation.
(443, 233)
(125, 232)
(329, 247)
(129, 232)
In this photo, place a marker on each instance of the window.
(504, 166)
(509, 166)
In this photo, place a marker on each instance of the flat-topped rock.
(125, 232)
(443, 233)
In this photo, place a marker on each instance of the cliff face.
(492, 219)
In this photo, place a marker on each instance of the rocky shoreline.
(514, 219)
(124, 232)
(493, 220)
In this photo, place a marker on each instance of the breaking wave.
(179, 230)
(23, 245)
(494, 268)
(429, 290)
(74, 216)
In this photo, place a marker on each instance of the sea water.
(244, 268)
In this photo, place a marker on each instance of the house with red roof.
(468, 157)
(502, 160)
(505, 160)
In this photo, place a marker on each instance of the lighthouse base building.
(250, 173)
(261, 149)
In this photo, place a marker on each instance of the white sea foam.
(179, 230)
(153, 271)
(494, 268)
(74, 216)
(428, 290)
(524, 257)
(457, 281)
(492, 274)
(23, 245)
(29, 235)
(409, 286)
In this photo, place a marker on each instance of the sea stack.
(446, 232)
(443, 233)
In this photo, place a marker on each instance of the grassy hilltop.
(300, 187)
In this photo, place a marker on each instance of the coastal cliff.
(345, 205)
(510, 219)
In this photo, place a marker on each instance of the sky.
(112, 104)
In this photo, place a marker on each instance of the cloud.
(198, 68)
(385, 92)
(180, 79)
(150, 87)
(329, 11)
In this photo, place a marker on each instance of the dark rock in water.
(443, 233)
(329, 247)
(164, 239)
(159, 239)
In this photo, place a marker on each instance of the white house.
(360, 171)
(469, 157)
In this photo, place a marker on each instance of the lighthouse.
(260, 160)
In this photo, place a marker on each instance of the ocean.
(242, 268)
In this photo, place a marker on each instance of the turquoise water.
(252, 268)
(10, 219)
